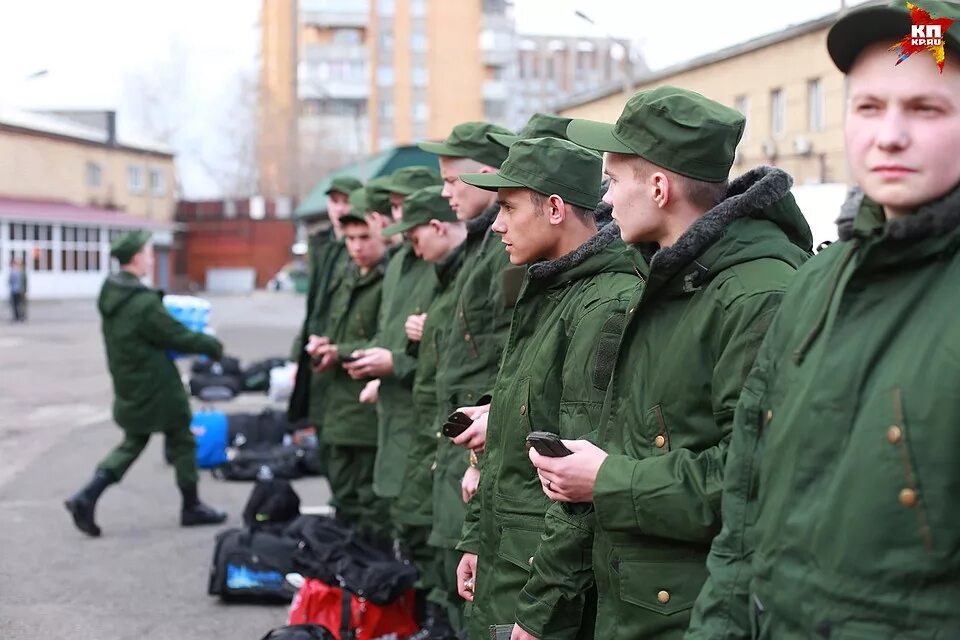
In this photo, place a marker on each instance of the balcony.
(320, 53)
(335, 13)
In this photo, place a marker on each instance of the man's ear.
(660, 189)
(487, 169)
(438, 227)
(556, 209)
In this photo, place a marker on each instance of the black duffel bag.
(334, 554)
(272, 504)
(250, 566)
(284, 461)
(300, 632)
(256, 377)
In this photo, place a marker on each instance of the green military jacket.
(327, 259)
(148, 394)
(353, 313)
(414, 505)
(690, 338)
(840, 502)
(556, 365)
(408, 288)
(469, 361)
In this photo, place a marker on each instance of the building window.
(385, 7)
(742, 104)
(80, 248)
(421, 112)
(418, 41)
(419, 76)
(385, 109)
(158, 184)
(135, 178)
(385, 76)
(346, 36)
(777, 115)
(815, 111)
(94, 174)
(418, 8)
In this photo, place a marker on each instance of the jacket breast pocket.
(663, 588)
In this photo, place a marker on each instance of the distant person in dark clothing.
(17, 283)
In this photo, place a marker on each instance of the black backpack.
(250, 566)
(273, 503)
(334, 554)
(300, 632)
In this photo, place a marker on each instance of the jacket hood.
(726, 235)
(118, 289)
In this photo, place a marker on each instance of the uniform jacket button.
(523, 409)
(433, 467)
(894, 434)
(466, 337)
(908, 498)
(439, 434)
(769, 415)
(663, 597)
(530, 561)
(660, 441)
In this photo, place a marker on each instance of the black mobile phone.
(349, 358)
(547, 444)
(456, 423)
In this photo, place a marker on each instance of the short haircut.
(701, 194)
(540, 202)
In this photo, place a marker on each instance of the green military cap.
(129, 245)
(548, 166)
(344, 184)
(409, 179)
(887, 23)
(673, 128)
(540, 125)
(373, 197)
(469, 140)
(420, 208)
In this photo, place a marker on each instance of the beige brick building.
(784, 83)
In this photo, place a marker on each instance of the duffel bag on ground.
(350, 617)
(226, 365)
(282, 460)
(210, 432)
(300, 632)
(257, 430)
(256, 377)
(333, 553)
(250, 566)
(214, 386)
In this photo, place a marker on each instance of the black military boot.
(195, 513)
(436, 626)
(82, 504)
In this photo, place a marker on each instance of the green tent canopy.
(380, 164)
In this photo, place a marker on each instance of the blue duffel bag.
(210, 431)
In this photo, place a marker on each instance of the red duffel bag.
(349, 617)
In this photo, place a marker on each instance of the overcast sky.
(195, 52)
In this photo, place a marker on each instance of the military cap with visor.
(420, 208)
(469, 140)
(549, 166)
(124, 247)
(373, 197)
(410, 179)
(540, 125)
(343, 184)
(887, 23)
(677, 129)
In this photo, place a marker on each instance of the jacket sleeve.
(551, 604)
(162, 330)
(470, 534)
(722, 611)
(677, 495)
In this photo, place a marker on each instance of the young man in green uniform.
(555, 368)
(408, 288)
(327, 256)
(350, 427)
(437, 238)
(481, 318)
(840, 514)
(148, 395)
(720, 258)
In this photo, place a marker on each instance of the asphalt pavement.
(146, 577)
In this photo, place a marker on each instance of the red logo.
(926, 34)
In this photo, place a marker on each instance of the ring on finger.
(549, 485)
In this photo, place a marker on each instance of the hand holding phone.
(456, 423)
(547, 444)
